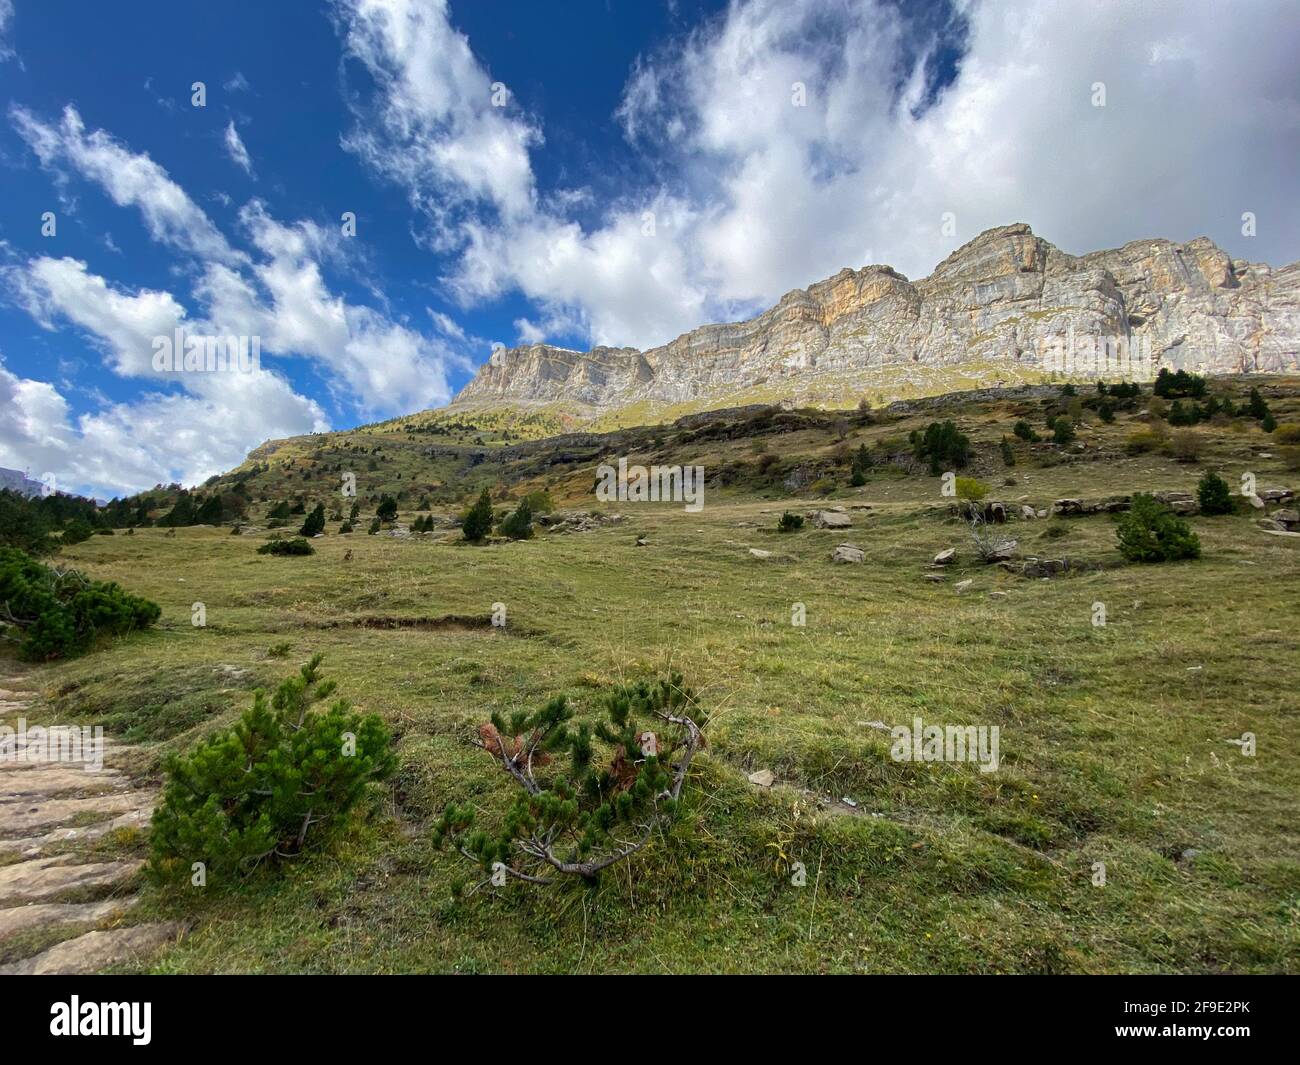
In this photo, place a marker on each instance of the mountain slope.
(1006, 307)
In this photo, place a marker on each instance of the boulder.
(961, 586)
(1028, 512)
(847, 553)
(763, 778)
(945, 557)
(1255, 501)
(1045, 567)
(1002, 551)
(831, 519)
(1288, 518)
(760, 553)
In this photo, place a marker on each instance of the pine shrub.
(254, 794)
(52, 613)
(298, 546)
(477, 521)
(519, 524)
(589, 795)
(1151, 532)
(1213, 494)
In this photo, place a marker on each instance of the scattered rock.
(831, 519)
(46, 878)
(759, 553)
(945, 557)
(961, 586)
(1028, 512)
(847, 553)
(938, 578)
(764, 778)
(1287, 518)
(47, 914)
(96, 950)
(1255, 501)
(641, 541)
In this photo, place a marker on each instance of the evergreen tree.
(315, 522)
(1151, 532)
(476, 523)
(519, 525)
(387, 509)
(1214, 495)
(209, 512)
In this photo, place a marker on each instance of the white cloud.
(236, 150)
(125, 325)
(372, 364)
(127, 447)
(6, 19)
(436, 101)
(756, 196)
(130, 179)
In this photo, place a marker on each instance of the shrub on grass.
(77, 531)
(1213, 494)
(790, 522)
(315, 522)
(298, 546)
(1062, 430)
(1185, 446)
(519, 524)
(970, 489)
(252, 794)
(476, 522)
(1142, 441)
(52, 613)
(943, 445)
(589, 796)
(1151, 532)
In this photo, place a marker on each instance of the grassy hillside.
(1115, 740)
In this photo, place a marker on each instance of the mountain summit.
(1006, 307)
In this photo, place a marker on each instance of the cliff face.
(1006, 307)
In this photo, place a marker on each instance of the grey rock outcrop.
(1006, 307)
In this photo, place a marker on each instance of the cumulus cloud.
(463, 146)
(159, 438)
(236, 150)
(372, 364)
(131, 180)
(789, 140)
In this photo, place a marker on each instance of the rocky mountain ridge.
(1006, 307)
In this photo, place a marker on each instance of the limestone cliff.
(1006, 307)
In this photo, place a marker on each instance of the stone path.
(49, 892)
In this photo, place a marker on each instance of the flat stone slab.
(32, 846)
(43, 879)
(26, 818)
(97, 950)
(51, 914)
(59, 778)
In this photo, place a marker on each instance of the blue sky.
(597, 171)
